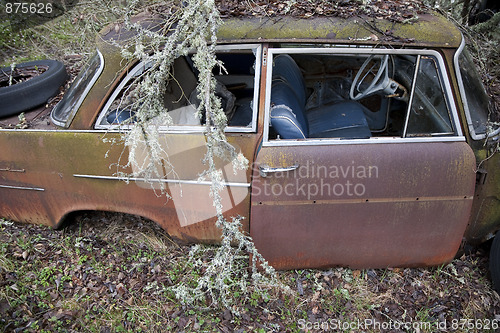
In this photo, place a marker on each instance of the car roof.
(428, 30)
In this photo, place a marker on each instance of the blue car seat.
(291, 121)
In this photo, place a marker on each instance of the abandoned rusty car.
(366, 152)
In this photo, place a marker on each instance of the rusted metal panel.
(376, 205)
(44, 175)
(485, 217)
(115, 68)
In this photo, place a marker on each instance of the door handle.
(265, 169)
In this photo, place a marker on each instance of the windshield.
(475, 98)
(65, 110)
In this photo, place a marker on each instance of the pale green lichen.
(191, 26)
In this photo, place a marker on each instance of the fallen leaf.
(120, 289)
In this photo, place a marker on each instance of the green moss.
(428, 29)
(432, 29)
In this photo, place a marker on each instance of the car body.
(368, 147)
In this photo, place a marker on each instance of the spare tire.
(31, 84)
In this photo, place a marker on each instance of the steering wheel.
(381, 81)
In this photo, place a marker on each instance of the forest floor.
(115, 273)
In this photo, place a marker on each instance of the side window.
(236, 85)
(344, 95)
(429, 114)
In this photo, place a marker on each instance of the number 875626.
(28, 8)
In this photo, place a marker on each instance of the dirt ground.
(114, 273)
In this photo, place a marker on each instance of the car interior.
(313, 95)
(235, 87)
(356, 97)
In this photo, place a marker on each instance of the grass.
(116, 273)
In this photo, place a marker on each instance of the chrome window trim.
(275, 142)
(111, 99)
(83, 95)
(412, 95)
(318, 141)
(461, 89)
(257, 48)
(373, 140)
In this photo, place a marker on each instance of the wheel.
(30, 84)
(495, 262)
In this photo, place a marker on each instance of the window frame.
(418, 64)
(257, 50)
(72, 113)
(354, 50)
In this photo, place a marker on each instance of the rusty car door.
(364, 203)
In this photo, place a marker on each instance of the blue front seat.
(291, 121)
(287, 113)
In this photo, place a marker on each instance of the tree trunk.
(465, 12)
(490, 27)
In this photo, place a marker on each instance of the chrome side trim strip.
(13, 170)
(363, 201)
(173, 181)
(23, 188)
(373, 140)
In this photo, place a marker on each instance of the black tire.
(495, 262)
(33, 92)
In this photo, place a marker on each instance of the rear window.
(65, 110)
